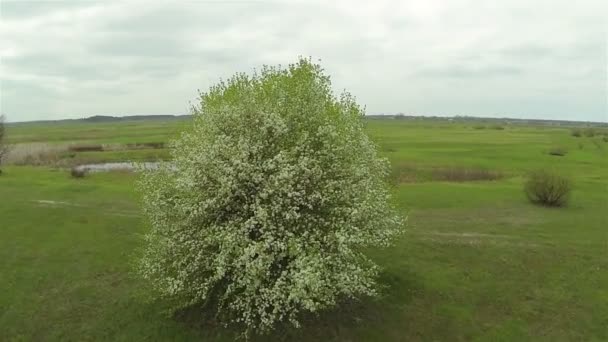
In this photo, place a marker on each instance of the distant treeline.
(399, 116)
(108, 118)
(459, 118)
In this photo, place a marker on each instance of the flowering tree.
(269, 201)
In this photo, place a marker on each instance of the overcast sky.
(516, 58)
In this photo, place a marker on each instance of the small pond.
(117, 166)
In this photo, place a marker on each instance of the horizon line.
(446, 116)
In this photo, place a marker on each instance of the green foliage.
(547, 187)
(589, 132)
(459, 174)
(576, 132)
(271, 198)
(456, 276)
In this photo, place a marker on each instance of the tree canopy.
(270, 199)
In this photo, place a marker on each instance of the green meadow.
(478, 262)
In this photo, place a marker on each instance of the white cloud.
(518, 58)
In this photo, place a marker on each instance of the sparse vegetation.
(558, 151)
(547, 187)
(459, 174)
(409, 173)
(496, 126)
(157, 144)
(35, 154)
(589, 132)
(576, 132)
(85, 148)
(404, 173)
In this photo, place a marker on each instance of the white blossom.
(270, 199)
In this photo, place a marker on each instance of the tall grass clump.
(547, 187)
(558, 151)
(589, 132)
(497, 127)
(85, 148)
(458, 174)
(35, 154)
(272, 197)
(576, 132)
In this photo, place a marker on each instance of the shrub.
(589, 132)
(146, 145)
(272, 196)
(605, 138)
(548, 188)
(85, 148)
(156, 144)
(576, 132)
(497, 127)
(35, 154)
(78, 172)
(558, 151)
(455, 174)
(479, 127)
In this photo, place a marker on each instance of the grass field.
(478, 263)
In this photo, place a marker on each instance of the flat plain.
(478, 261)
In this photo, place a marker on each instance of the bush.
(589, 132)
(272, 196)
(548, 188)
(497, 127)
(35, 154)
(85, 148)
(558, 151)
(78, 172)
(576, 132)
(456, 174)
(138, 146)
